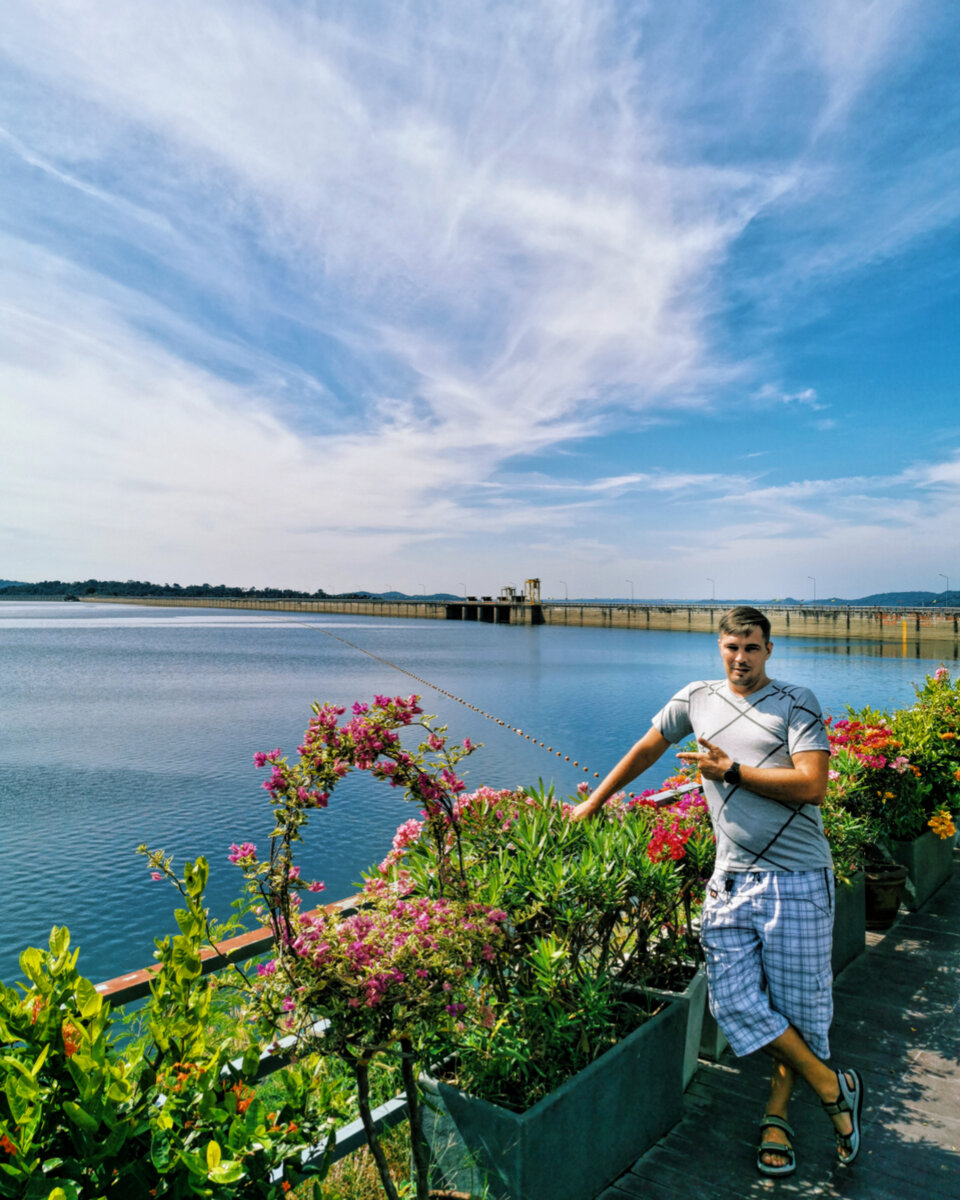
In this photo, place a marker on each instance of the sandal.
(767, 1147)
(850, 1100)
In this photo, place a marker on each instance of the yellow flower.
(888, 795)
(942, 824)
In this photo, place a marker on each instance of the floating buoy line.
(443, 692)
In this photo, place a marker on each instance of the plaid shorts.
(767, 939)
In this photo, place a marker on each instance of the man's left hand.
(712, 764)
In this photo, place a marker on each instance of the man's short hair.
(743, 618)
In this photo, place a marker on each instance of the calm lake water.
(123, 725)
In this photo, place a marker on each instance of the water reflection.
(934, 652)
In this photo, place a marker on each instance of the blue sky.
(433, 295)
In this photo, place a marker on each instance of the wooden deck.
(896, 1021)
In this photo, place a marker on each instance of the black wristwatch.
(732, 774)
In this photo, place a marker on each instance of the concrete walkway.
(898, 1022)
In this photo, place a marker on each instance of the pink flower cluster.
(244, 853)
(370, 957)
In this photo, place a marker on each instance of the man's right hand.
(644, 754)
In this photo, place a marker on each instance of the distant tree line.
(141, 588)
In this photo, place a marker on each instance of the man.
(767, 920)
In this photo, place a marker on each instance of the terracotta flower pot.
(885, 885)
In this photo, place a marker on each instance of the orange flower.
(71, 1036)
(244, 1097)
(6, 1144)
(285, 1185)
(948, 737)
(942, 824)
(956, 774)
(36, 1010)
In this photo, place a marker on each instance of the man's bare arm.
(803, 783)
(643, 755)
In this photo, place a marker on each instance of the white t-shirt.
(763, 729)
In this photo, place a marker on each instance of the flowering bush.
(591, 905)
(86, 1114)
(397, 976)
(872, 776)
(900, 773)
(931, 729)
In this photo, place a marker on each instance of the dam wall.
(939, 630)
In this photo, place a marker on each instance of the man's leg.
(793, 1052)
(782, 1079)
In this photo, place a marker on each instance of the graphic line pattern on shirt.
(781, 704)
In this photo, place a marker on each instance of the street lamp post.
(946, 578)
(566, 590)
(713, 589)
(463, 588)
(814, 588)
(630, 581)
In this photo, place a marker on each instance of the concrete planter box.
(929, 863)
(713, 1041)
(574, 1142)
(849, 921)
(694, 997)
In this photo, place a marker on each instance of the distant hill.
(139, 589)
(912, 599)
(439, 597)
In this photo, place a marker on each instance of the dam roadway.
(903, 628)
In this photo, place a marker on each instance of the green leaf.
(80, 1117)
(162, 1152)
(213, 1156)
(89, 999)
(229, 1172)
(31, 963)
(189, 925)
(59, 940)
(186, 961)
(195, 876)
(40, 1060)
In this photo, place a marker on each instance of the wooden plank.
(896, 1010)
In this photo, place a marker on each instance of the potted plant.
(683, 834)
(849, 836)
(586, 906)
(902, 772)
(929, 732)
